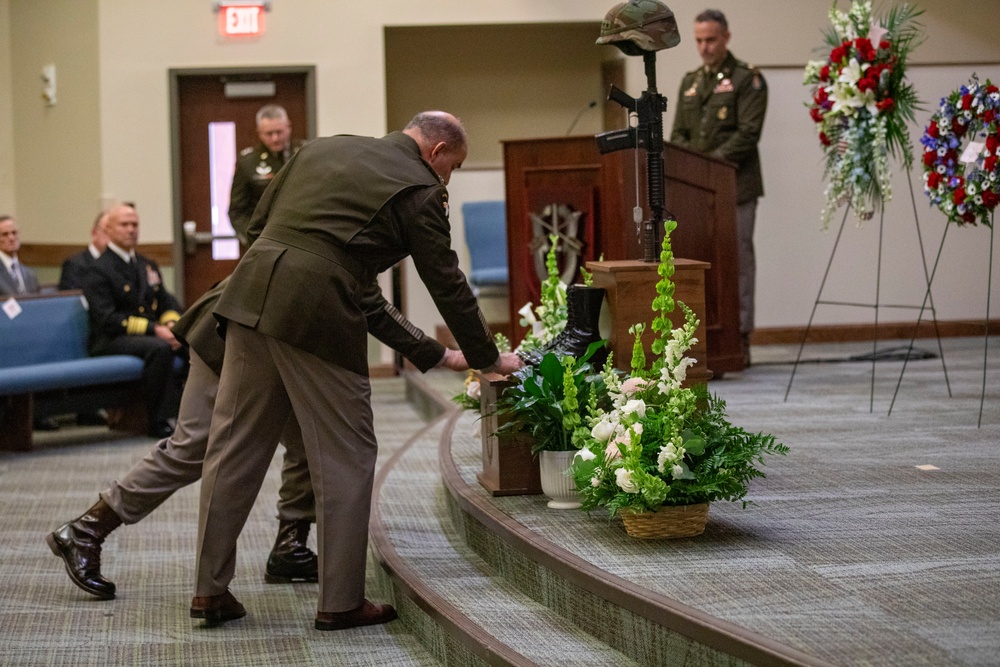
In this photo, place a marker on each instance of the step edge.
(703, 628)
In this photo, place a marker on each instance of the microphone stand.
(579, 115)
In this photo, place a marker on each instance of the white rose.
(586, 455)
(624, 480)
(635, 406)
(473, 390)
(602, 431)
(676, 471)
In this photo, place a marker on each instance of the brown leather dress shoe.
(366, 614)
(217, 609)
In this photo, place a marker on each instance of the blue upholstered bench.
(43, 353)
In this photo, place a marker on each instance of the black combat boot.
(583, 316)
(291, 560)
(78, 543)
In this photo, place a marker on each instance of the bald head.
(442, 141)
(121, 224)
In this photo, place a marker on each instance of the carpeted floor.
(45, 620)
(853, 552)
(881, 562)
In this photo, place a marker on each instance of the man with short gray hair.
(297, 313)
(721, 112)
(257, 165)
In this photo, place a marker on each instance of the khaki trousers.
(175, 462)
(263, 381)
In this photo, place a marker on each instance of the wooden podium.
(570, 173)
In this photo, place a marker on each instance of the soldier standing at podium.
(721, 113)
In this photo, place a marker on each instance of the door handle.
(193, 238)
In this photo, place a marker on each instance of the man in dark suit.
(75, 267)
(131, 312)
(15, 278)
(297, 313)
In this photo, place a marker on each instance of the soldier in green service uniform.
(257, 165)
(721, 112)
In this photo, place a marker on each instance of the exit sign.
(244, 19)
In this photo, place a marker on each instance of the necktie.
(15, 274)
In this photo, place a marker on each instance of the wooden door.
(214, 118)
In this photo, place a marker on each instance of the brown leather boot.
(78, 543)
(291, 560)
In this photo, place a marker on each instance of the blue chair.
(486, 236)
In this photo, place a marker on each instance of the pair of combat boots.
(79, 542)
(583, 316)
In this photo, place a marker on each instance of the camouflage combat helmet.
(638, 26)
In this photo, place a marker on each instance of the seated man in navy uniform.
(257, 165)
(132, 313)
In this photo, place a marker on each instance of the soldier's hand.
(166, 334)
(454, 360)
(508, 363)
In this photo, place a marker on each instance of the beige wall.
(57, 149)
(109, 135)
(8, 202)
(489, 74)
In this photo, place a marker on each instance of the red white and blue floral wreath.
(963, 179)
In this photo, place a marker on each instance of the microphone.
(591, 105)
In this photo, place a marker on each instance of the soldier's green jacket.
(722, 114)
(340, 212)
(255, 168)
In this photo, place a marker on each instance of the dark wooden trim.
(702, 628)
(381, 371)
(54, 254)
(842, 333)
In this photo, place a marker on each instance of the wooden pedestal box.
(509, 468)
(631, 288)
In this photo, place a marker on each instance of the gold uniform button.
(124, 323)
(127, 288)
(142, 309)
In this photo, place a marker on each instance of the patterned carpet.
(851, 553)
(45, 620)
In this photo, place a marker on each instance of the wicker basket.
(667, 522)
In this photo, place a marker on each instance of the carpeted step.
(446, 593)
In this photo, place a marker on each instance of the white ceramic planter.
(557, 484)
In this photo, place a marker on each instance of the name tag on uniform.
(725, 86)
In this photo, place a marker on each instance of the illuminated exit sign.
(242, 19)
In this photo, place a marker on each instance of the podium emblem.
(562, 221)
